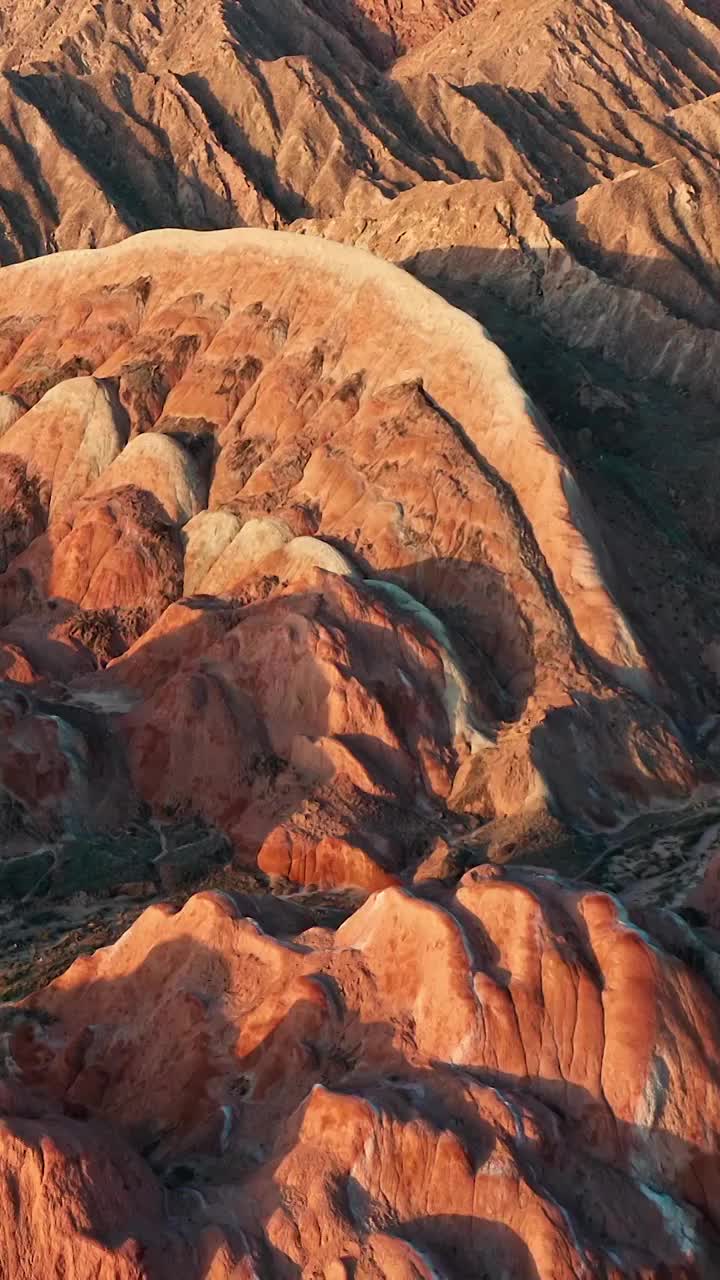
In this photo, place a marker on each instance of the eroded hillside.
(299, 510)
(369, 590)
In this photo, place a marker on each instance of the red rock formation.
(400, 601)
(299, 571)
(384, 29)
(515, 1077)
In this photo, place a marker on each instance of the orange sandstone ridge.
(299, 583)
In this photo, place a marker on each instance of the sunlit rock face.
(359, 640)
(509, 1078)
(302, 555)
(354, 612)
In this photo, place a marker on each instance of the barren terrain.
(359, 640)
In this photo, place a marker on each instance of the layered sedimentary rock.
(302, 549)
(511, 1079)
(553, 160)
(328, 592)
(116, 119)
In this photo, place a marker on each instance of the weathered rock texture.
(292, 548)
(115, 118)
(314, 583)
(549, 166)
(510, 1079)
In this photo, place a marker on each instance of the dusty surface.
(117, 118)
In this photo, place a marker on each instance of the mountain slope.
(252, 434)
(292, 117)
(437, 1087)
(359, 640)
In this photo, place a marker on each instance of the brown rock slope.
(319, 595)
(558, 95)
(607, 305)
(512, 1079)
(115, 117)
(340, 584)
(385, 29)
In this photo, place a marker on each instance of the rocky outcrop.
(512, 1075)
(385, 29)
(67, 440)
(115, 120)
(329, 590)
(398, 604)
(647, 307)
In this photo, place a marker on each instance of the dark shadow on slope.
(232, 769)
(260, 168)
(293, 31)
(141, 182)
(643, 452)
(682, 278)
(204, 1118)
(20, 221)
(268, 762)
(199, 739)
(481, 611)
(483, 622)
(381, 103)
(554, 153)
(604, 761)
(377, 45)
(452, 1245)
(25, 156)
(678, 41)
(133, 1144)
(565, 155)
(706, 9)
(147, 190)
